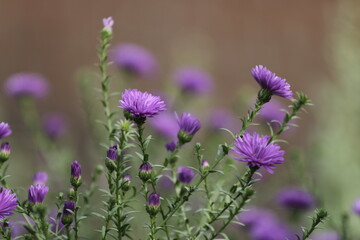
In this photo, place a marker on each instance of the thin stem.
(68, 234)
(319, 218)
(152, 227)
(76, 222)
(246, 122)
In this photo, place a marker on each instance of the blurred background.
(313, 44)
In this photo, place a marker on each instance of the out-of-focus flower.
(165, 124)
(270, 82)
(296, 198)
(67, 216)
(205, 165)
(256, 151)
(40, 178)
(5, 130)
(153, 204)
(37, 193)
(165, 184)
(193, 80)
(8, 202)
(326, 235)
(141, 104)
(171, 146)
(356, 207)
(271, 231)
(108, 24)
(222, 118)
(254, 216)
(271, 111)
(188, 125)
(134, 59)
(54, 126)
(26, 84)
(145, 171)
(5, 151)
(185, 175)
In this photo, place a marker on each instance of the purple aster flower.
(193, 80)
(40, 178)
(145, 171)
(67, 214)
(271, 111)
(272, 83)
(254, 216)
(26, 84)
(296, 198)
(54, 126)
(37, 193)
(165, 124)
(327, 235)
(75, 170)
(134, 59)
(112, 153)
(141, 104)
(153, 204)
(5, 130)
(8, 202)
(222, 118)
(356, 207)
(171, 146)
(108, 24)
(256, 151)
(272, 230)
(188, 125)
(5, 151)
(185, 175)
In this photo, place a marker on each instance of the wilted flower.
(108, 24)
(153, 204)
(40, 178)
(5, 151)
(8, 202)
(37, 193)
(256, 151)
(5, 130)
(165, 124)
(145, 171)
(270, 82)
(193, 80)
(171, 146)
(356, 207)
(54, 126)
(134, 59)
(141, 104)
(188, 125)
(26, 84)
(185, 175)
(67, 216)
(296, 198)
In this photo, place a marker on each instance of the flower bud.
(75, 175)
(5, 151)
(171, 146)
(37, 193)
(145, 171)
(72, 194)
(126, 183)
(108, 24)
(205, 165)
(185, 175)
(67, 216)
(112, 153)
(153, 204)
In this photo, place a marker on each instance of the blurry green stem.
(345, 226)
(76, 222)
(319, 218)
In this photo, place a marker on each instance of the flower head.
(145, 171)
(134, 59)
(54, 126)
(153, 204)
(188, 125)
(67, 215)
(193, 80)
(185, 175)
(171, 146)
(141, 104)
(295, 198)
(8, 202)
(112, 153)
(272, 83)
(40, 178)
(5, 130)
(26, 84)
(256, 151)
(5, 151)
(108, 24)
(75, 169)
(37, 193)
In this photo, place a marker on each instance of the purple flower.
(193, 80)
(222, 118)
(185, 175)
(165, 124)
(75, 170)
(188, 125)
(5, 130)
(5, 151)
(271, 111)
(108, 24)
(295, 198)
(171, 146)
(272, 83)
(8, 202)
(37, 193)
(271, 231)
(356, 207)
(67, 214)
(327, 235)
(141, 104)
(26, 84)
(256, 151)
(145, 171)
(134, 59)
(153, 204)
(40, 178)
(54, 126)
(254, 216)
(112, 153)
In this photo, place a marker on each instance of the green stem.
(152, 227)
(76, 222)
(68, 232)
(246, 122)
(319, 218)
